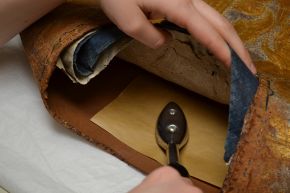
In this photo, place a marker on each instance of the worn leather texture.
(262, 160)
(43, 43)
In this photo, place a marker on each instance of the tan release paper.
(132, 118)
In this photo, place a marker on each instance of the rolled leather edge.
(45, 40)
(99, 58)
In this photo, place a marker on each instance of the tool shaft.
(172, 153)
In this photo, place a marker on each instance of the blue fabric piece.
(243, 89)
(89, 49)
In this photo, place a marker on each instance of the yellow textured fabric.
(264, 27)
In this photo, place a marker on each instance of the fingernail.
(166, 36)
(159, 43)
(252, 67)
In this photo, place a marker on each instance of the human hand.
(165, 180)
(202, 21)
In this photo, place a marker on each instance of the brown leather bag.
(262, 161)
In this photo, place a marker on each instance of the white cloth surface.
(37, 155)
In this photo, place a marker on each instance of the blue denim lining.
(89, 50)
(243, 89)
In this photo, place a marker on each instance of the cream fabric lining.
(132, 117)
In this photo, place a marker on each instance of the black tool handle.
(180, 168)
(171, 26)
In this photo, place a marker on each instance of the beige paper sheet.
(132, 117)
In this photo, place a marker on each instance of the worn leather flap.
(44, 42)
(262, 161)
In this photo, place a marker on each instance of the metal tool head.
(171, 127)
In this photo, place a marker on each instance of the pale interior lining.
(132, 116)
